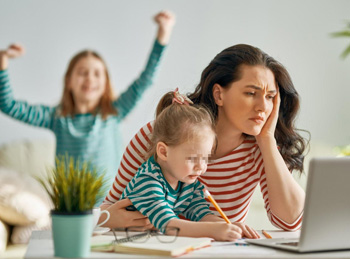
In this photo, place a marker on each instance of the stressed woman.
(254, 104)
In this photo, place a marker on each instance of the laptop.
(326, 219)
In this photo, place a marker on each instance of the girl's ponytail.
(177, 121)
(170, 98)
(166, 101)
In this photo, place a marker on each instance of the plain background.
(294, 32)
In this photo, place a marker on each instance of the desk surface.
(41, 246)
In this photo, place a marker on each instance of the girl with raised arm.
(86, 123)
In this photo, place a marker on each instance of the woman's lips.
(258, 119)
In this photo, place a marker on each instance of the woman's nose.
(261, 104)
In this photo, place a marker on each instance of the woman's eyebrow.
(259, 88)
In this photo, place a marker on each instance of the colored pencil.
(267, 235)
(211, 199)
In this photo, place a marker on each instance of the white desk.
(41, 246)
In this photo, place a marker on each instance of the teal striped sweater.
(152, 195)
(85, 136)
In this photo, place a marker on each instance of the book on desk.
(152, 246)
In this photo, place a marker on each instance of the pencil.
(267, 235)
(211, 199)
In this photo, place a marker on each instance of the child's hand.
(247, 231)
(222, 231)
(165, 21)
(15, 51)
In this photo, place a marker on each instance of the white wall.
(294, 32)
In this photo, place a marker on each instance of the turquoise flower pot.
(71, 233)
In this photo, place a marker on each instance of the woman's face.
(245, 105)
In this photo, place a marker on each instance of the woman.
(254, 104)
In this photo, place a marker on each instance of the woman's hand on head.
(121, 218)
(268, 130)
(166, 21)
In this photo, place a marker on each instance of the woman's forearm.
(286, 197)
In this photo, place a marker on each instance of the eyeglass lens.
(164, 235)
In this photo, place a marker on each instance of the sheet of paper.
(280, 234)
(239, 242)
(227, 250)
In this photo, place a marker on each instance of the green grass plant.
(343, 150)
(73, 186)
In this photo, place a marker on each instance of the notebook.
(326, 219)
(152, 246)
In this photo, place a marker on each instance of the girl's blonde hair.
(178, 123)
(67, 102)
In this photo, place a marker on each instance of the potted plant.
(344, 33)
(343, 150)
(74, 189)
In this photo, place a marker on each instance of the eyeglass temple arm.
(128, 239)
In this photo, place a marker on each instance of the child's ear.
(217, 94)
(162, 151)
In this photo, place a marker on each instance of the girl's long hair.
(67, 104)
(225, 69)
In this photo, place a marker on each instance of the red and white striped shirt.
(231, 179)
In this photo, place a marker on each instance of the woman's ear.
(162, 151)
(217, 94)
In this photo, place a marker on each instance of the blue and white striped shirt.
(153, 196)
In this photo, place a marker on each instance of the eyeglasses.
(140, 235)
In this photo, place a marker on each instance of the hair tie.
(181, 98)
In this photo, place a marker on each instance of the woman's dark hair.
(225, 69)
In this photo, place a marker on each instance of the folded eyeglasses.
(140, 235)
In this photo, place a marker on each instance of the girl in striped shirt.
(86, 123)
(166, 185)
(254, 104)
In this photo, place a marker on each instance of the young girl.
(255, 104)
(166, 184)
(86, 122)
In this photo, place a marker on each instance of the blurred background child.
(86, 123)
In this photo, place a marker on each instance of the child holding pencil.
(167, 185)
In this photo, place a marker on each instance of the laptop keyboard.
(289, 243)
